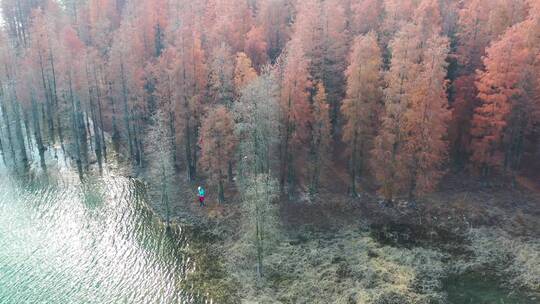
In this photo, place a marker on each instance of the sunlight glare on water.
(63, 241)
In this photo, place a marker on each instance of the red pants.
(201, 200)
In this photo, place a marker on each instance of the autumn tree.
(218, 144)
(12, 116)
(31, 105)
(362, 106)
(126, 68)
(228, 21)
(320, 138)
(308, 34)
(506, 89)
(43, 56)
(335, 48)
(321, 30)
(101, 18)
(480, 22)
(397, 13)
(221, 70)
(190, 84)
(365, 16)
(295, 113)
(388, 159)
(164, 73)
(75, 72)
(473, 37)
(16, 15)
(464, 102)
(152, 23)
(256, 47)
(274, 16)
(426, 120)
(72, 88)
(243, 71)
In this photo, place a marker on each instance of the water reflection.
(63, 241)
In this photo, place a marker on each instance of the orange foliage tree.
(221, 69)
(426, 120)
(365, 15)
(295, 111)
(256, 47)
(507, 89)
(388, 159)
(480, 22)
(190, 78)
(362, 105)
(243, 72)
(320, 137)
(218, 144)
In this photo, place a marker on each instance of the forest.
(278, 103)
(394, 92)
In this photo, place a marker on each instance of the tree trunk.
(19, 132)
(221, 192)
(54, 98)
(173, 136)
(259, 246)
(75, 126)
(115, 133)
(27, 129)
(37, 133)
(126, 111)
(48, 100)
(230, 171)
(2, 150)
(7, 121)
(100, 112)
(97, 135)
(285, 157)
(138, 143)
(354, 164)
(187, 143)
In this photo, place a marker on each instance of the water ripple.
(66, 242)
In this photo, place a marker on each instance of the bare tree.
(160, 160)
(260, 220)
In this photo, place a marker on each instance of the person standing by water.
(201, 193)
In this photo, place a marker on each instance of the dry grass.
(348, 268)
(495, 251)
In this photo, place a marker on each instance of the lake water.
(63, 241)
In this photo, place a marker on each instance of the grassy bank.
(338, 249)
